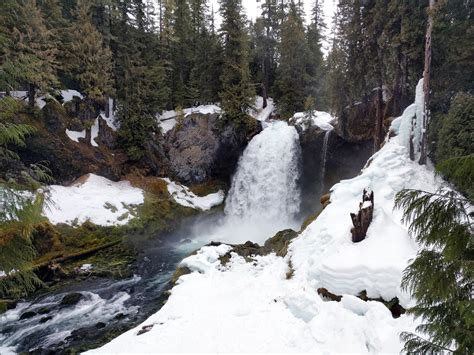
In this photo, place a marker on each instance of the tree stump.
(362, 219)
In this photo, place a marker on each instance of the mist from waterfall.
(264, 197)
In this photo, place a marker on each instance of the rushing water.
(266, 182)
(324, 152)
(264, 198)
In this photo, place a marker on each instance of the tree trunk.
(362, 219)
(426, 85)
(31, 95)
(264, 95)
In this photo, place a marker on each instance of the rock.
(100, 325)
(27, 315)
(43, 310)
(280, 242)
(357, 122)
(119, 316)
(71, 299)
(344, 160)
(203, 148)
(107, 136)
(325, 199)
(145, 328)
(45, 319)
(323, 292)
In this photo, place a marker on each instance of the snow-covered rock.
(167, 119)
(93, 198)
(319, 119)
(185, 197)
(75, 135)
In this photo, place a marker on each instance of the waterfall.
(265, 186)
(324, 152)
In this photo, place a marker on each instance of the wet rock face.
(202, 148)
(356, 124)
(344, 160)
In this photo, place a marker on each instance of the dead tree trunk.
(362, 219)
(426, 85)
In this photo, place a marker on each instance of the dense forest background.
(168, 54)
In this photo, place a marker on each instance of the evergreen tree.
(237, 91)
(89, 61)
(30, 58)
(292, 71)
(316, 72)
(181, 53)
(441, 277)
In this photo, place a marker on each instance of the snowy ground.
(320, 119)
(105, 202)
(254, 307)
(93, 198)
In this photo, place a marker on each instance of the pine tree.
(237, 92)
(292, 71)
(30, 58)
(89, 61)
(441, 277)
(316, 72)
(181, 52)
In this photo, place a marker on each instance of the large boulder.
(203, 147)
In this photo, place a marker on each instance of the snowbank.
(320, 119)
(93, 198)
(75, 135)
(167, 120)
(252, 307)
(185, 197)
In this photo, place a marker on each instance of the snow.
(93, 198)
(260, 113)
(411, 121)
(95, 132)
(320, 119)
(254, 307)
(40, 100)
(68, 95)
(167, 119)
(185, 197)
(86, 267)
(75, 135)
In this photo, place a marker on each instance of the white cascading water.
(264, 197)
(324, 152)
(266, 182)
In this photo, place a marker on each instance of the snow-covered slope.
(255, 307)
(93, 198)
(106, 202)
